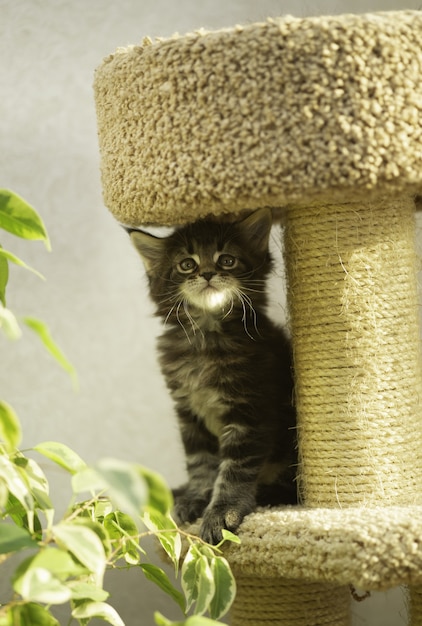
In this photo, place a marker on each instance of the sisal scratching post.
(415, 605)
(261, 602)
(354, 318)
(320, 119)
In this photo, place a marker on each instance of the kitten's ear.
(149, 247)
(257, 227)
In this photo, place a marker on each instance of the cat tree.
(319, 118)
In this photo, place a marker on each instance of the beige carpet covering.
(285, 111)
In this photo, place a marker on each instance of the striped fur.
(227, 366)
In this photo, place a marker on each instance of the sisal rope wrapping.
(282, 602)
(415, 606)
(354, 318)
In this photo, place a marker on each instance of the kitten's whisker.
(252, 311)
(169, 313)
(245, 323)
(193, 324)
(230, 308)
(241, 298)
(246, 300)
(169, 299)
(254, 290)
(180, 321)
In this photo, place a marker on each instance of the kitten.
(228, 368)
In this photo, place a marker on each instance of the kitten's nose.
(208, 275)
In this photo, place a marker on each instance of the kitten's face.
(206, 274)
(207, 266)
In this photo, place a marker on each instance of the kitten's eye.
(187, 265)
(227, 261)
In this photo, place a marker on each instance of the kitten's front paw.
(217, 517)
(187, 506)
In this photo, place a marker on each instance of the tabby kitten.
(228, 368)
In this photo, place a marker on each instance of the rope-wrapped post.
(355, 329)
(264, 601)
(415, 606)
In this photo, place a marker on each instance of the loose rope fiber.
(354, 318)
(281, 602)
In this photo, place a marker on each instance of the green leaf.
(87, 591)
(43, 332)
(207, 580)
(4, 278)
(98, 528)
(9, 256)
(122, 530)
(15, 481)
(170, 541)
(189, 580)
(44, 503)
(21, 517)
(33, 473)
(160, 620)
(13, 538)
(9, 323)
(58, 562)
(102, 507)
(104, 611)
(19, 218)
(4, 495)
(160, 578)
(229, 536)
(29, 614)
(125, 485)
(62, 455)
(159, 495)
(205, 585)
(38, 584)
(10, 428)
(225, 587)
(85, 546)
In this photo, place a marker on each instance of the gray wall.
(95, 295)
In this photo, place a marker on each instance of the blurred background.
(95, 297)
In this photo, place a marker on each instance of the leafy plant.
(63, 561)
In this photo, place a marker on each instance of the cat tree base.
(292, 558)
(326, 551)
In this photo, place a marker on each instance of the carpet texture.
(285, 111)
